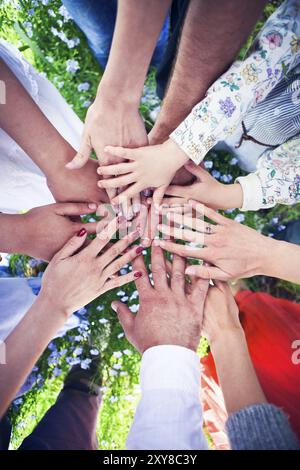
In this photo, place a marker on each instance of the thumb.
(83, 154)
(196, 170)
(72, 245)
(126, 318)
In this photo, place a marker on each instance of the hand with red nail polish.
(42, 231)
(78, 274)
(171, 311)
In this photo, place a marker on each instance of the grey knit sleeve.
(261, 427)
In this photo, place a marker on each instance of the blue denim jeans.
(96, 18)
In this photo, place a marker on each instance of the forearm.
(237, 377)
(12, 233)
(137, 29)
(25, 345)
(212, 35)
(281, 260)
(24, 122)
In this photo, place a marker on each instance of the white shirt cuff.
(252, 192)
(170, 367)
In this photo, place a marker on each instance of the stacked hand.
(153, 166)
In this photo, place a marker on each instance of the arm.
(169, 414)
(240, 88)
(25, 123)
(276, 180)
(136, 32)
(202, 57)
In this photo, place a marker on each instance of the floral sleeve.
(276, 180)
(274, 53)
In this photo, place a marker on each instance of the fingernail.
(156, 242)
(99, 170)
(92, 206)
(191, 271)
(99, 184)
(139, 250)
(81, 232)
(114, 307)
(138, 274)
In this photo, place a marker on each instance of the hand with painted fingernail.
(43, 231)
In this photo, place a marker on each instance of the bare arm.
(212, 35)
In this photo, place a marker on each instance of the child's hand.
(208, 190)
(152, 166)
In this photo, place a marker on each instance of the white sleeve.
(169, 414)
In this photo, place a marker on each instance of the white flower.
(72, 66)
(120, 335)
(85, 86)
(103, 321)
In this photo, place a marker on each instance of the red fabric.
(271, 326)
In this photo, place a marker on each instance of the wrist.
(111, 92)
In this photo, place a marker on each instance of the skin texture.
(170, 312)
(222, 328)
(224, 248)
(45, 146)
(74, 278)
(152, 166)
(43, 231)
